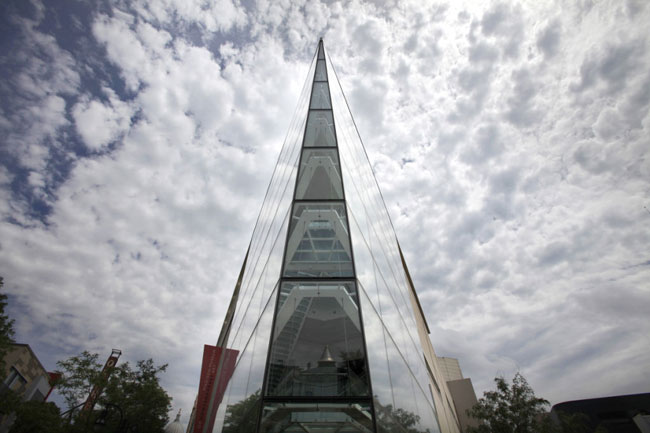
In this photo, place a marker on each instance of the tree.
(9, 400)
(37, 416)
(132, 400)
(572, 423)
(242, 416)
(80, 374)
(398, 420)
(510, 409)
(6, 331)
(143, 401)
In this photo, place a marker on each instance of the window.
(317, 348)
(318, 244)
(15, 381)
(319, 177)
(320, 129)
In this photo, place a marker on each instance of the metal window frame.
(324, 399)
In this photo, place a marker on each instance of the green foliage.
(391, 420)
(9, 402)
(572, 423)
(515, 409)
(143, 401)
(6, 331)
(132, 400)
(510, 409)
(242, 416)
(37, 417)
(80, 374)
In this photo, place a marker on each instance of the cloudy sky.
(511, 142)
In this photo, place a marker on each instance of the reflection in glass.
(255, 298)
(319, 176)
(321, 74)
(404, 389)
(400, 405)
(278, 194)
(321, 417)
(376, 349)
(241, 417)
(320, 96)
(320, 129)
(243, 401)
(392, 420)
(317, 347)
(318, 243)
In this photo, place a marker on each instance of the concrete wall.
(450, 368)
(31, 381)
(25, 362)
(464, 398)
(447, 417)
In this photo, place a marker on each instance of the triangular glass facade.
(322, 320)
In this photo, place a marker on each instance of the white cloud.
(43, 74)
(99, 123)
(510, 145)
(548, 40)
(210, 16)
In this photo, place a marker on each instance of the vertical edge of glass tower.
(325, 332)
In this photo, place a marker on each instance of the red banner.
(106, 371)
(211, 359)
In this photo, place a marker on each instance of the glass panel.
(318, 244)
(376, 288)
(428, 418)
(242, 407)
(321, 73)
(283, 173)
(377, 355)
(321, 54)
(260, 347)
(320, 129)
(244, 391)
(317, 347)
(320, 96)
(277, 200)
(363, 262)
(221, 411)
(319, 176)
(318, 418)
(405, 412)
(366, 204)
(400, 405)
(255, 298)
(398, 329)
(367, 208)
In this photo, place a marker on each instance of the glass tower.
(324, 332)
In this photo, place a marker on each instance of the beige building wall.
(22, 369)
(447, 417)
(25, 375)
(464, 398)
(450, 368)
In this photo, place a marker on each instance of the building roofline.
(415, 294)
(33, 354)
(645, 396)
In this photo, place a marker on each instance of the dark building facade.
(615, 414)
